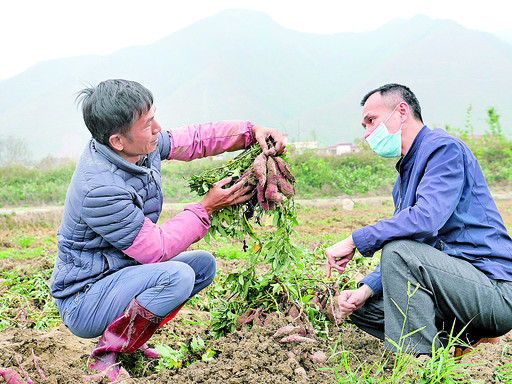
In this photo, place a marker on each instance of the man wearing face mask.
(446, 241)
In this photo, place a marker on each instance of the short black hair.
(113, 106)
(401, 92)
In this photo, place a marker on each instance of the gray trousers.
(451, 293)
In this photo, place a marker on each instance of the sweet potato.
(250, 316)
(318, 357)
(288, 330)
(260, 193)
(38, 368)
(296, 339)
(285, 169)
(11, 376)
(284, 186)
(271, 177)
(259, 167)
(271, 191)
(252, 179)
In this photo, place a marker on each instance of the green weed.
(27, 302)
(231, 252)
(503, 374)
(24, 241)
(317, 176)
(442, 367)
(183, 356)
(13, 253)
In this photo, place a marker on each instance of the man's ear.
(116, 142)
(404, 110)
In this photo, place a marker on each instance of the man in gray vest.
(118, 274)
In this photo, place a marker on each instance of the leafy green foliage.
(21, 185)
(337, 175)
(442, 367)
(277, 248)
(224, 315)
(231, 221)
(183, 356)
(234, 168)
(492, 149)
(244, 290)
(27, 302)
(364, 373)
(137, 364)
(316, 176)
(171, 358)
(24, 253)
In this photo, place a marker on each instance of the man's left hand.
(261, 134)
(339, 254)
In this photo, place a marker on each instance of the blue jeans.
(160, 288)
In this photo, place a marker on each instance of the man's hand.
(351, 300)
(339, 254)
(261, 134)
(217, 197)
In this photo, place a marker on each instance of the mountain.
(505, 35)
(240, 64)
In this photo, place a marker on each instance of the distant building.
(303, 146)
(338, 149)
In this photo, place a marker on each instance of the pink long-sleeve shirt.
(156, 243)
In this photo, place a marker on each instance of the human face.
(375, 111)
(141, 139)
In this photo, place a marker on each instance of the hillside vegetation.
(358, 174)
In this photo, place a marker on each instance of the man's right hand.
(217, 197)
(339, 254)
(351, 300)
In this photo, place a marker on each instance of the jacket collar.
(411, 153)
(117, 160)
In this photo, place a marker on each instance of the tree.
(14, 150)
(493, 119)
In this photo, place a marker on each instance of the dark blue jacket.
(441, 199)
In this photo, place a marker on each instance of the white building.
(337, 149)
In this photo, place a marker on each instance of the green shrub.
(317, 176)
(356, 173)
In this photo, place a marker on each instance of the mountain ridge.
(240, 64)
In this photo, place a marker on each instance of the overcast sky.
(37, 30)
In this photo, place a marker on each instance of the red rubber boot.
(125, 334)
(152, 353)
(171, 315)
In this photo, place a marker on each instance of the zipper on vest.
(158, 187)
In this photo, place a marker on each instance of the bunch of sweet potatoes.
(273, 179)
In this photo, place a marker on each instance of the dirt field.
(245, 356)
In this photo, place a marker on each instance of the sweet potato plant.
(273, 180)
(290, 286)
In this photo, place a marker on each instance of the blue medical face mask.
(383, 143)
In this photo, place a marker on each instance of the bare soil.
(245, 356)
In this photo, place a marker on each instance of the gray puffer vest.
(106, 204)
